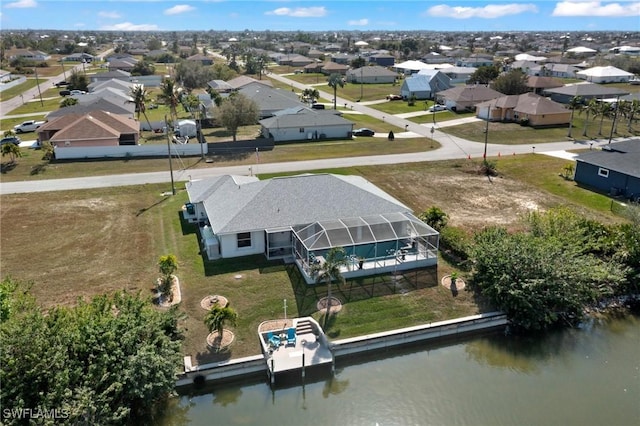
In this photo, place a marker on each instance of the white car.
(77, 92)
(437, 107)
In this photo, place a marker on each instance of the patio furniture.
(291, 336)
(274, 340)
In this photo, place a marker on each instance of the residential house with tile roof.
(461, 98)
(371, 75)
(529, 108)
(97, 128)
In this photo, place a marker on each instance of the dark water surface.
(586, 376)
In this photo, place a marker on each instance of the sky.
(322, 15)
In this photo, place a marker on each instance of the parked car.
(318, 106)
(61, 83)
(65, 92)
(394, 97)
(28, 126)
(77, 92)
(10, 139)
(363, 132)
(434, 108)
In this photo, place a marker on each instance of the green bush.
(455, 241)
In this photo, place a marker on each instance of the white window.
(603, 172)
(244, 239)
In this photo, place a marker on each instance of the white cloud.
(299, 12)
(105, 14)
(21, 4)
(358, 22)
(178, 9)
(128, 26)
(489, 11)
(596, 8)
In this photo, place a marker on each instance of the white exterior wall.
(294, 134)
(67, 153)
(229, 245)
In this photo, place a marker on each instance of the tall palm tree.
(574, 104)
(218, 317)
(633, 109)
(335, 80)
(603, 110)
(171, 96)
(139, 95)
(589, 108)
(330, 271)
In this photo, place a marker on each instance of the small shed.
(186, 128)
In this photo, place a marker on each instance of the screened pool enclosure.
(373, 244)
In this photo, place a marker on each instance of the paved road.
(451, 148)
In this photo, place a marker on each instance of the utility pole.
(615, 116)
(486, 135)
(35, 70)
(173, 186)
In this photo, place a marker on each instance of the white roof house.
(607, 74)
(411, 66)
(299, 218)
(581, 50)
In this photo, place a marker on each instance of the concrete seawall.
(254, 366)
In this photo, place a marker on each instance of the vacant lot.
(81, 243)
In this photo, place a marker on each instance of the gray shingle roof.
(234, 207)
(623, 157)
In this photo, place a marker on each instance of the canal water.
(585, 376)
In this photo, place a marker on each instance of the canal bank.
(367, 345)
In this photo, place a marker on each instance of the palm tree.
(633, 109)
(171, 96)
(335, 80)
(218, 317)
(139, 95)
(310, 95)
(589, 108)
(330, 271)
(12, 150)
(603, 110)
(573, 105)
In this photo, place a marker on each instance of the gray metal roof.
(233, 206)
(587, 89)
(304, 118)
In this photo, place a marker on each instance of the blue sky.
(322, 15)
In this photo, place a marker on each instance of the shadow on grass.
(239, 264)
(307, 295)
(212, 355)
(157, 203)
(39, 168)
(186, 227)
(7, 167)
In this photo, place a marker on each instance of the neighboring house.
(382, 59)
(411, 67)
(458, 75)
(203, 59)
(475, 61)
(101, 104)
(614, 169)
(295, 60)
(243, 80)
(314, 67)
(220, 86)
(97, 128)
(585, 90)
(604, 75)
(79, 57)
(301, 124)
(424, 85)
(122, 85)
(105, 76)
(527, 67)
(538, 84)
(116, 96)
(538, 111)
(300, 218)
(5, 76)
(33, 55)
(462, 98)
(371, 75)
(126, 64)
(554, 70)
(626, 50)
(329, 68)
(269, 99)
